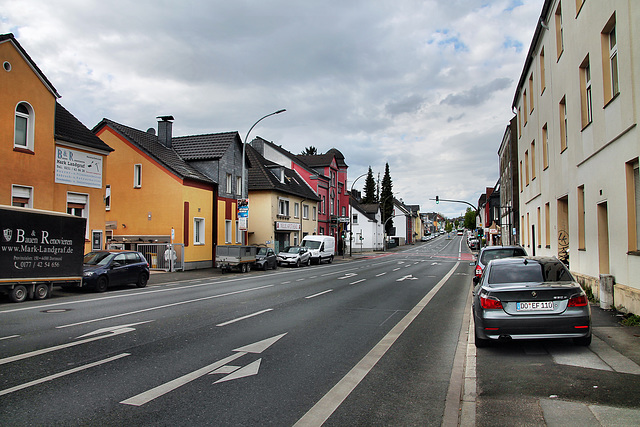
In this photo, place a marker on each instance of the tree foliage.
(470, 219)
(386, 199)
(370, 195)
(309, 151)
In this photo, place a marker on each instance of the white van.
(322, 248)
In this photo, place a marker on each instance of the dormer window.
(24, 127)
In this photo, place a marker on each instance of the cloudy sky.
(424, 85)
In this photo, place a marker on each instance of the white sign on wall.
(78, 168)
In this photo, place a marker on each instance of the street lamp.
(243, 193)
(351, 212)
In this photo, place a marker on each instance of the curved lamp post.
(244, 146)
(351, 213)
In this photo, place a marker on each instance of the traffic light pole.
(438, 200)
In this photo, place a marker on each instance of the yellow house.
(155, 198)
(283, 208)
(50, 160)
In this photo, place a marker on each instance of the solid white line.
(163, 306)
(322, 410)
(9, 337)
(318, 294)
(245, 317)
(357, 281)
(62, 374)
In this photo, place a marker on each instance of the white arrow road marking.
(347, 275)
(409, 277)
(247, 371)
(116, 330)
(61, 374)
(149, 395)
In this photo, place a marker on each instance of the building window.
(239, 186)
(531, 94)
(198, 231)
(283, 207)
(322, 206)
(137, 176)
(239, 233)
(542, 72)
(344, 211)
(228, 232)
(526, 167)
(107, 198)
(585, 93)
(521, 174)
(539, 229)
(314, 214)
(21, 196)
(581, 218)
(296, 210)
(563, 124)
(533, 160)
(633, 204)
(519, 122)
(77, 204)
(354, 218)
(305, 211)
(24, 127)
(547, 224)
(559, 31)
(610, 60)
(229, 184)
(524, 106)
(545, 147)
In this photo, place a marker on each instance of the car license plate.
(534, 305)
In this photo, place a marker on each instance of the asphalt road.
(365, 342)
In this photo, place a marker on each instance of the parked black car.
(111, 268)
(266, 258)
(530, 298)
(489, 253)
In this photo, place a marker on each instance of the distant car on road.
(489, 253)
(266, 258)
(530, 298)
(102, 269)
(294, 255)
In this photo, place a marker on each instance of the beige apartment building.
(578, 144)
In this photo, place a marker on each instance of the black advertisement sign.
(40, 244)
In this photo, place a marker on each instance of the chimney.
(164, 130)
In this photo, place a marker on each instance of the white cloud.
(423, 85)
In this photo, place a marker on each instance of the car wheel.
(248, 267)
(102, 284)
(18, 293)
(309, 262)
(584, 341)
(298, 263)
(265, 265)
(142, 280)
(481, 343)
(330, 259)
(275, 265)
(243, 268)
(41, 292)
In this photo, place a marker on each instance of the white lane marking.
(9, 337)
(257, 313)
(320, 293)
(62, 374)
(112, 332)
(163, 306)
(357, 281)
(322, 410)
(286, 283)
(347, 275)
(396, 269)
(381, 274)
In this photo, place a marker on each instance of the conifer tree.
(369, 189)
(386, 199)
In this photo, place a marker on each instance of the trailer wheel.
(102, 284)
(248, 268)
(41, 292)
(243, 268)
(18, 293)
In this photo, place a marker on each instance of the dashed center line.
(320, 293)
(357, 281)
(381, 274)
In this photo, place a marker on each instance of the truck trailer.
(37, 250)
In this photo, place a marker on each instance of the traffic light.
(437, 199)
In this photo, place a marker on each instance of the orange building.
(155, 198)
(49, 159)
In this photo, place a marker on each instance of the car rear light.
(578, 301)
(478, 271)
(490, 303)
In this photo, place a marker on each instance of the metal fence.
(163, 256)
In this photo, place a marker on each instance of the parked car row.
(519, 297)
